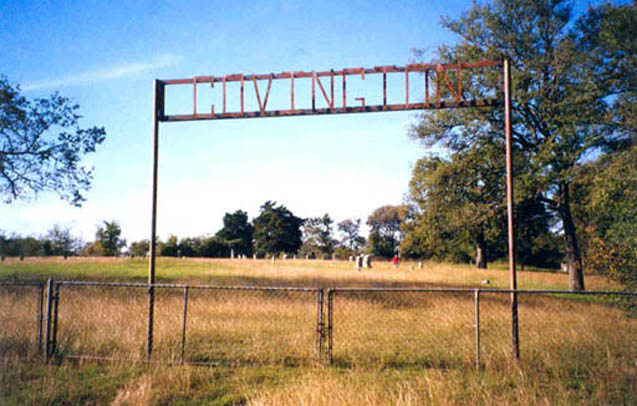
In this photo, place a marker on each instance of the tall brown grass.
(388, 348)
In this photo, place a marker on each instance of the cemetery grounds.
(399, 348)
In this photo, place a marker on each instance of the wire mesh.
(496, 338)
(21, 310)
(101, 320)
(235, 325)
(403, 328)
(191, 324)
(583, 334)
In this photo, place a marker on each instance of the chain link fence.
(190, 324)
(386, 327)
(21, 318)
(465, 328)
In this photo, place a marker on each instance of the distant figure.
(395, 261)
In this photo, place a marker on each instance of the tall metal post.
(47, 325)
(510, 225)
(158, 99)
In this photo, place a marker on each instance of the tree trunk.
(481, 252)
(573, 254)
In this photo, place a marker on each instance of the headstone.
(285, 256)
(333, 257)
(231, 253)
(367, 261)
(294, 256)
(419, 264)
(359, 262)
(351, 258)
(307, 256)
(564, 267)
(254, 256)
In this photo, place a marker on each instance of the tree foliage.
(318, 235)
(237, 232)
(138, 248)
(108, 238)
(350, 229)
(60, 241)
(41, 146)
(607, 215)
(563, 97)
(385, 232)
(458, 199)
(276, 230)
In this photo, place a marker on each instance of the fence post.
(476, 296)
(183, 330)
(47, 326)
(330, 320)
(319, 327)
(151, 311)
(40, 315)
(56, 304)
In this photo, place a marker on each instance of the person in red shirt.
(395, 261)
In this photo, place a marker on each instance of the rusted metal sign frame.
(435, 72)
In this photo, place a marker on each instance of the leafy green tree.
(318, 235)
(607, 215)
(41, 146)
(108, 236)
(562, 98)
(139, 248)
(171, 247)
(350, 229)
(214, 247)
(237, 232)
(276, 230)
(385, 231)
(462, 197)
(60, 241)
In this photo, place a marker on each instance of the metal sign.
(438, 80)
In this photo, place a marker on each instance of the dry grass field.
(398, 348)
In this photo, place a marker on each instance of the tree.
(607, 215)
(41, 146)
(350, 229)
(385, 233)
(60, 241)
(317, 235)
(108, 237)
(138, 248)
(561, 105)
(237, 232)
(462, 197)
(276, 230)
(171, 247)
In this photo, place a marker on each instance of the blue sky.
(105, 55)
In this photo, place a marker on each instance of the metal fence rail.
(21, 317)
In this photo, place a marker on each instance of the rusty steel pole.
(158, 89)
(510, 223)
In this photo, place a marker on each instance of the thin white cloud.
(113, 72)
